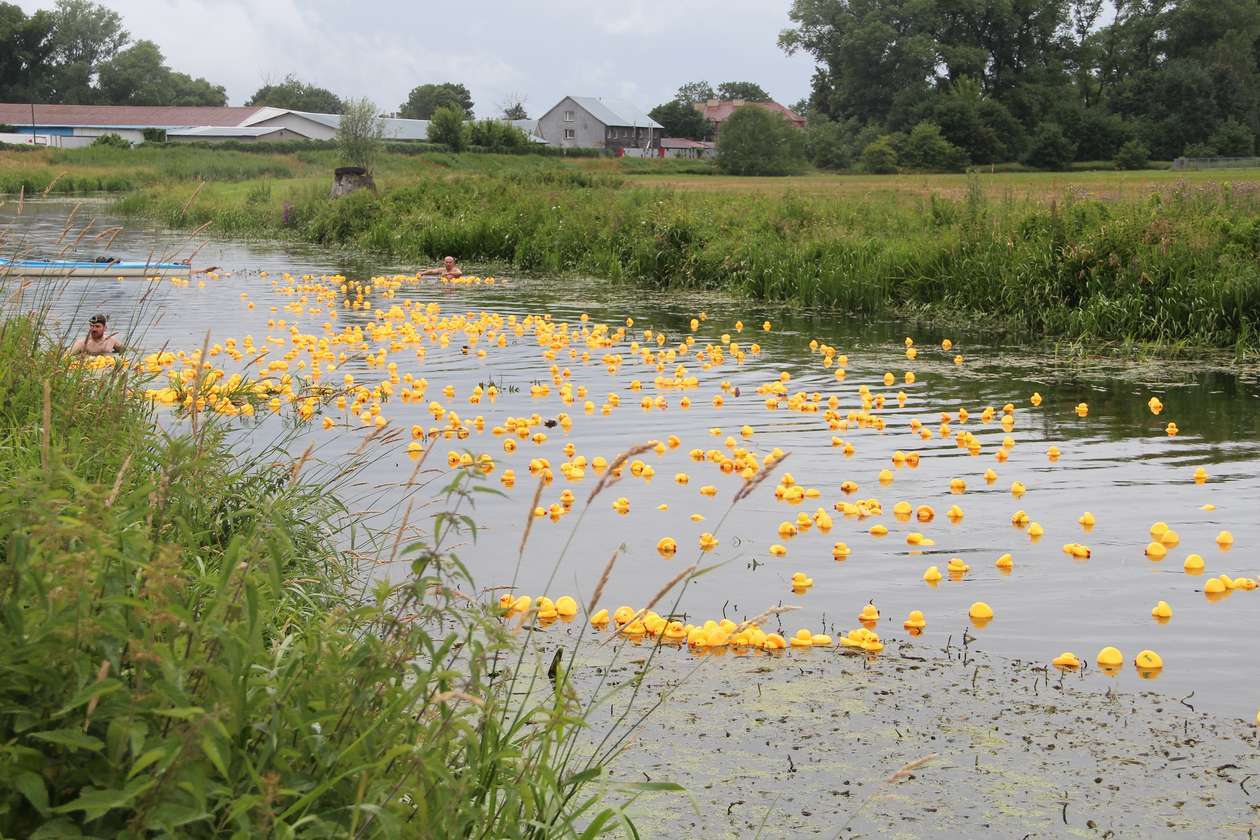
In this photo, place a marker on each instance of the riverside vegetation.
(190, 645)
(1152, 258)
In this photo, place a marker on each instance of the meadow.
(1155, 258)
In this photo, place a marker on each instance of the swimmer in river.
(96, 342)
(448, 271)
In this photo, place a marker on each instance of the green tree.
(447, 126)
(85, 35)
(880, 156)
(756, 141)
(26, 48)
(297, 95)
(493, 134)
(747, 91)
(513, 107)
(827, 144)
(1133, 155)
(424, 100)
(681, 119)
(359, 133)
(693, 92)
(926, 148)
(138, 75)
(1050, 148)
(1233, 139)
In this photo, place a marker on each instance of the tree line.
(943, 83)
(78, 53)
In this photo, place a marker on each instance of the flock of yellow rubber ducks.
(300, 372)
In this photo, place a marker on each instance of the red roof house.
(718, 111)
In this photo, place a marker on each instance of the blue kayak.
(90, 268)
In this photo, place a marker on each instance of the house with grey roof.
(598, 123)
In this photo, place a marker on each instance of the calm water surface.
(1117, 462)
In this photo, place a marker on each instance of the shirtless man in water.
(96, 343)
(448, 271)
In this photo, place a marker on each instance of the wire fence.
(1216, 163)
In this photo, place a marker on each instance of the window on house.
(569, 134)
(569, 116)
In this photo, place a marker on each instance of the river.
(1117, 462)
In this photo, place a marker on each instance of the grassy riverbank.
(1163, 258)
(189, 646)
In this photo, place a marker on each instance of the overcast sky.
(638, 50)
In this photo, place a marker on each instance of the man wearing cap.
(96, 343)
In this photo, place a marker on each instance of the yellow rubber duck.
(1035, 530)
(803, 638)
(990, 476)
(801, 581)
(915, 620)
(957, 485)
(1170, 538)
(774, 641)
(925, 513)
(1053, 453)
(1035, 399)
(1158, 529)
(869, 613)
(1066, 660)
(1200, 476)
(1194, 564)
(1213, 586)
(954, 514)
(956, 566)
(667, 547)
(932, 575)
(1171, 429)
(566, 606)
(1005, 562)
(1082, 410)
(1018, 489)
(840, 551)
(1156, 551)
(622, 615)
(1162, 611)
(1110, 657)
(1155, 405)
(1224, 539)
(879, 530)
(1019, 518)
(778, 550)
(980, 611)
(1148, 660)
(708, 542)
(1086, 520)
(600, 619)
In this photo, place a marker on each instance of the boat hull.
(68, 268)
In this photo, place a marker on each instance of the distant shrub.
(1050, 148)
(495, 135)
(111, 141)
(447, 127)
(926, 148)
(153, 135)
(1199, 150)
(1133, 155)
(5, 128)
(879, 157)
(1234, 139)
(827, 144)
(756, 141)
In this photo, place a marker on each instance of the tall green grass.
(1166, 268)
(191, 644)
